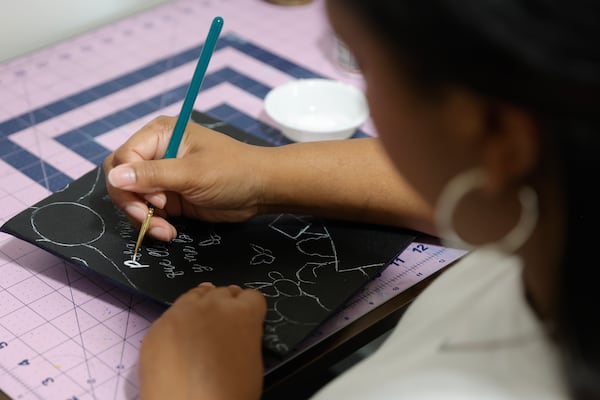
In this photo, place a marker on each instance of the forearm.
(349, 179)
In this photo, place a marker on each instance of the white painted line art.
(93, 188)
(44, 221)
(262, 256)
(286, 293)
(214, 240)
(288, 225)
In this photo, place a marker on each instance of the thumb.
(152, 176)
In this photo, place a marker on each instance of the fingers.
(256, 300)
(199, 183)
(202, 289)
(250, 297)
(154, 177)
(158, 200)
(149, 143)
(137, 210)
(223, 291)
(151, 178)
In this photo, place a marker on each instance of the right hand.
(207, 345)
(213, 178)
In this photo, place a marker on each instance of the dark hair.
(544, 56)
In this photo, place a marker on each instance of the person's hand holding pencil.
(186, 112)
(214, 178)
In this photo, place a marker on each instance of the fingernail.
(121, 176)
(157, 200)
(160, 233)
(136, 211)
(207, 284)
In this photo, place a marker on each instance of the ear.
(511, 146)
(504, 137)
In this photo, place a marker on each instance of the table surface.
(65, 334)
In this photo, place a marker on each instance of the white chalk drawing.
(314, 241)
(283, 289)
(45, 219)
(362, 268)
(289, 225)
(308, 273)
(67, 238)
(183, 238)
(93, 188)
(62, 189)
(303, 246)
(214, 240)
(262, 256)
(135, 264)
(80, 260)
(272, 338)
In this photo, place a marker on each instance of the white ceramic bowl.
(316, 109)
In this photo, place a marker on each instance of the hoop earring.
(472, 179)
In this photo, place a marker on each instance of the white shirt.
(470, 335)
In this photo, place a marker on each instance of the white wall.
(27, 25)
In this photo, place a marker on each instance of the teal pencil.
(186, 110)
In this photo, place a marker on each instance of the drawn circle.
(67, 223)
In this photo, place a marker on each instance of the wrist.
(268, 182)
(293, 179)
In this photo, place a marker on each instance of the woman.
(488, 112)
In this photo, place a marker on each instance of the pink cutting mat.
(65, 334)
